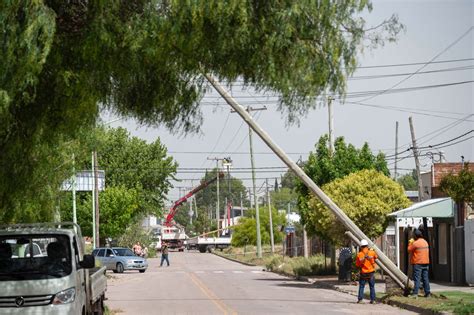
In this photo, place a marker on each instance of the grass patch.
(297, 266)
(452, 301)
(108, 311)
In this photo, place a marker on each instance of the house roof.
(435, 208)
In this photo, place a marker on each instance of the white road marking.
(199, 271)
(218, 271)
(257, 271)
(237, 271)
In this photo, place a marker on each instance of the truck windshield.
(31, 257)
(123, 252)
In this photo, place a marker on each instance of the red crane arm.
(182, 200)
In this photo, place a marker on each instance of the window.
(31, 257)
(101, 253)
(109, 253)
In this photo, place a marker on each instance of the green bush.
(298, 266)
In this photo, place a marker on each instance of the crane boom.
(182, 200)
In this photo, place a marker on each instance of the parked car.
(119, 259)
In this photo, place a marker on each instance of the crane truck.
(173, 233)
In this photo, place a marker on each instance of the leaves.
(245, 233)
(460, 187)
(366, 197)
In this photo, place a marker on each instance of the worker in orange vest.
(365, 261)
(420, 259)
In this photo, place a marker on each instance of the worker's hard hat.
(364, 243)
(418, 233)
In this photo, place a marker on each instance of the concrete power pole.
(254, 188)
(255, 201)
(331, 126)
(396, 152)
(96, 193)
(339, 214)
(272, 240)
(417, 161)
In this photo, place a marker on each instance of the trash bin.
(345, 264)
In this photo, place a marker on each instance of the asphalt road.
(198, 283)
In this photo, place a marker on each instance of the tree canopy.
(63, 62)
(460, 186)
(366, 197)
(324, 167)
(137, 179)
(245, 233)
(409, 181)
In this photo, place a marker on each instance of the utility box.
(345, 264)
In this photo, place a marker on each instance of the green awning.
(435, 208)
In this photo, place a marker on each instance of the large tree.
(460, 187)
(324, 167)
(366, 197)
(245, 233)
(62, 61)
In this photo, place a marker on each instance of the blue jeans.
(163, 258)
(362, 283)
(420, 272)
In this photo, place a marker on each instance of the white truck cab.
(43, 270)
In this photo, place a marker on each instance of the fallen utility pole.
(340, 215)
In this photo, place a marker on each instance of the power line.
(447, 141)
(422, 67)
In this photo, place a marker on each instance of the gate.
(469, 250)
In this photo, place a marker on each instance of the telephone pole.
(272, 241)
(218, 193)
(254, 188)
(96, 193)
(396, 152)
(417, 161)
(331, 126)
(340, 215)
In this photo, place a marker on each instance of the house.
(438, 216)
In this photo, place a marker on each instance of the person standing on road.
(164, 254)
(420, 259)
(365, 261)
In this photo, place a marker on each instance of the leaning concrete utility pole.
(340, 215)
(417, 161)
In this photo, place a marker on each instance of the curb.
(235, 260)
(401, 305)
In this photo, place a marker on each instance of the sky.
(439, 35)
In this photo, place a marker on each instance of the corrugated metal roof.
(435, 208)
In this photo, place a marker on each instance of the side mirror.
(88, 261)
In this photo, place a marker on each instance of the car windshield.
(123, 252)
(30, 257)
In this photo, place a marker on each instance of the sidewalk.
(447, 294)
(353, 287)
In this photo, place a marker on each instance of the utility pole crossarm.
(340, 215)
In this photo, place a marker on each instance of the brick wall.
(443, 169)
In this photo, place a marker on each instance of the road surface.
(197, 283)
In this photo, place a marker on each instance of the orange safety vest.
(366, 260)
(420, 252)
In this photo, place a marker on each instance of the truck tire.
(202, 249)
(142, 270)
(99, 307)
(209, 249)
(119, 268)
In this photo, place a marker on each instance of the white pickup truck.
(204, 243)
(43, 270)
